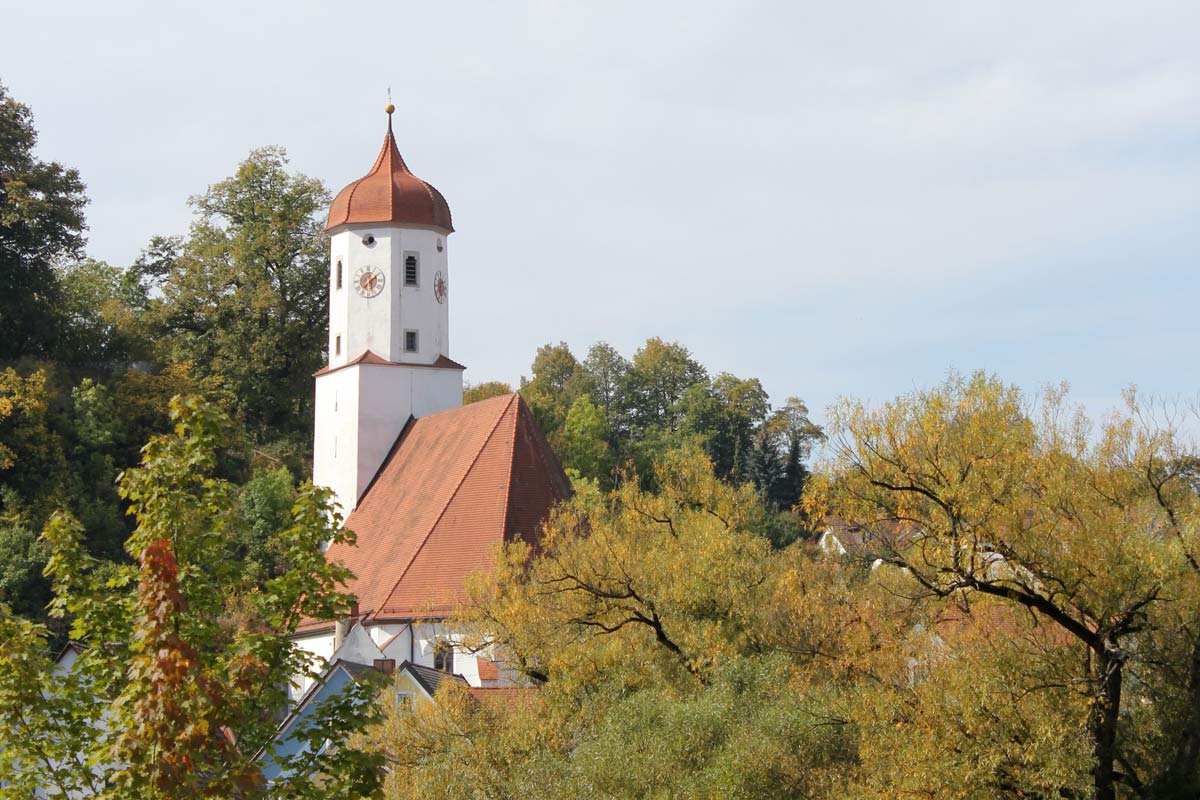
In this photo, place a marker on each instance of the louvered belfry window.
(410, 270)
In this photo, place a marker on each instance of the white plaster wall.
(336, 435)
(361, 409)
(387, 396)
(378, 323)
(321, 646)
(398, 646)
(359, 647)
(339, 299)
(428, 634)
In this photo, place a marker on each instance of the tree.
(473, 393)
(31, 452)
(585, 441)
(652, 624)
(185, 663)
(607, 369)
(245, 295)
(98, 319)
(1088, 534)
(659, 375)
(795, 434)
(558, 379)
(41, 223)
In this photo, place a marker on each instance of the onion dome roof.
(390, 194)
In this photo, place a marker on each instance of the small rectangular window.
(337, 345)
(339, 273)
(410, 269)
(404, 702)
(410, 341)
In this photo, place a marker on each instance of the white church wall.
(399, 645)
(368, 321)
(378, 323)
(419, 309)
(339, 301)
(321, 646)
(336, 435)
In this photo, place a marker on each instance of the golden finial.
(389, 108)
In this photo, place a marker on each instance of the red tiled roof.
(369, 357)
(488, 670)
(503, 696)
(390, 193)
(456, 484)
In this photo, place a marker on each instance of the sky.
(840, 199)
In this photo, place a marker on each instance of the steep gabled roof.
(456, 485)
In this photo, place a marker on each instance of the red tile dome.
(390, 194)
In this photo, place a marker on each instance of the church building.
(430, 487)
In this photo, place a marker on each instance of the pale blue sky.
(835, 198)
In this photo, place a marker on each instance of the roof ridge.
(512, 466)
(449, 500)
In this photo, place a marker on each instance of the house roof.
(430, 679)
(456, 485)
(488, 670)
(356, 672)
(503, 697)
(390, 194)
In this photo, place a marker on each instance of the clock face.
(439, 287)
(368, 281)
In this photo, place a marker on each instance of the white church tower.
(389, 331)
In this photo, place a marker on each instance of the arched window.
(443, 657)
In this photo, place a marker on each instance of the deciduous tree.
(185, 663)
(41, 224)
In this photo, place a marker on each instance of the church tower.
(389, 322)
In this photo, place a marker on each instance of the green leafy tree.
(264, 506)
(558, 379)
(607, 369)
(659, 375)
(31, 451)
(41, 223)
(99, 323)
(585, 441)
(244, 297)
(473, 393)
(185, 663)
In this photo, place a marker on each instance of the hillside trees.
(661, 399)
(235, 311)
(185, 662)
(244, 296)
(41, 224)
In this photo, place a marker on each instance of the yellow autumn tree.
(1058, 560)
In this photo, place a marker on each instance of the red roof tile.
(456, 485)
(488, 670)
(503, 696)
(390, 193)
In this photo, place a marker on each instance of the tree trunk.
(1103, 723)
